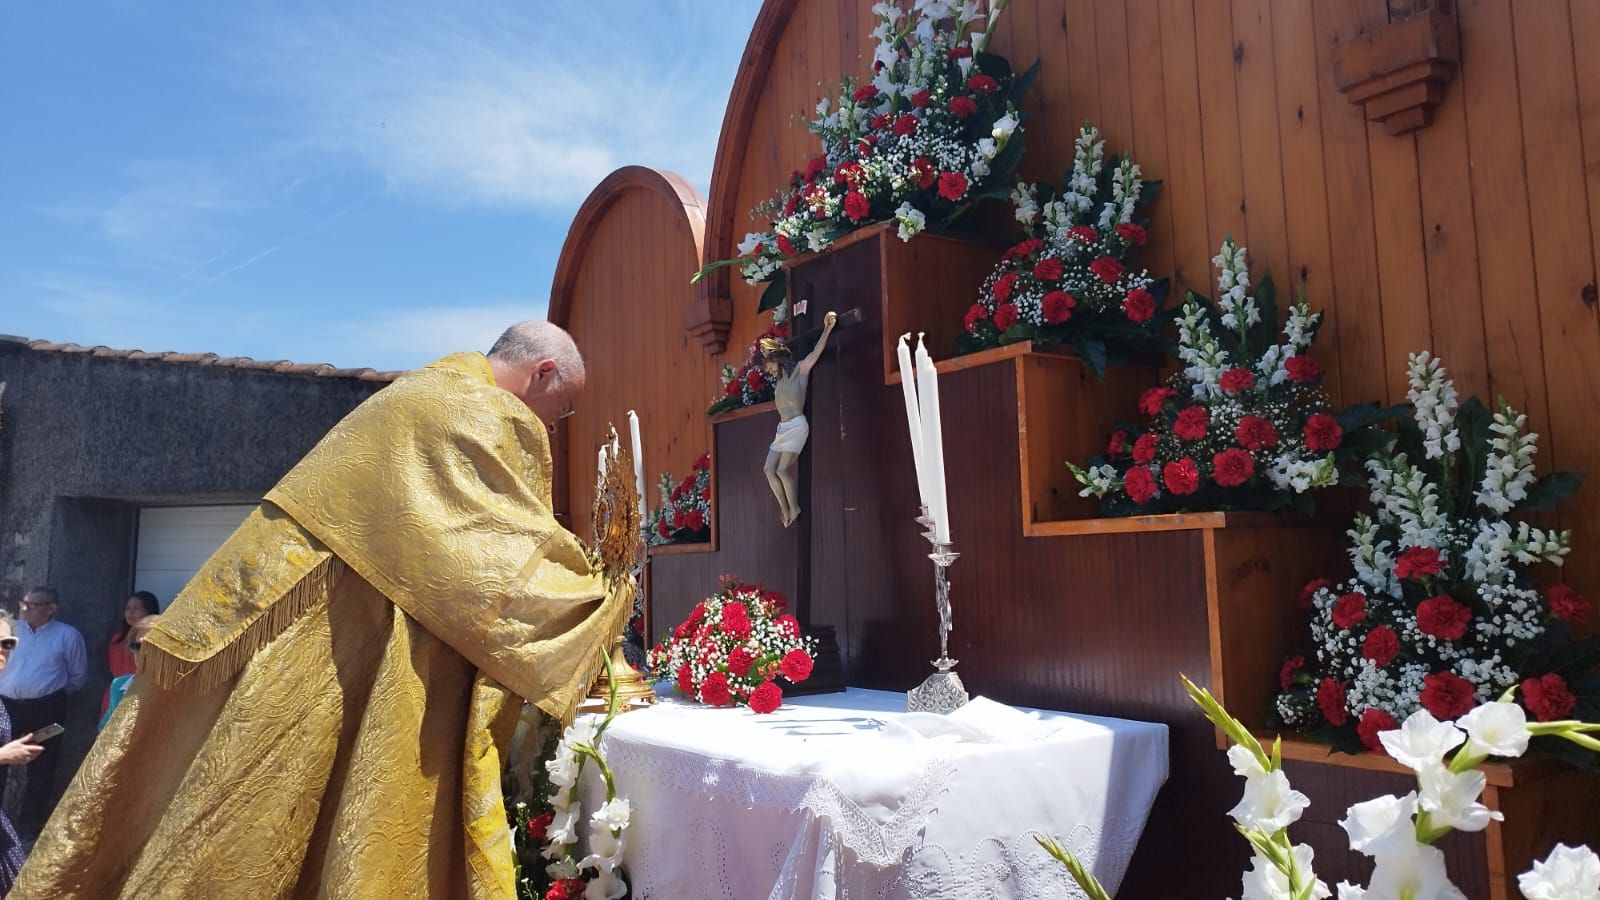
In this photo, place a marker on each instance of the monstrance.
(619, 551)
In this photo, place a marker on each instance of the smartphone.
(47, 732)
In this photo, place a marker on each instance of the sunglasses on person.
(9, 642)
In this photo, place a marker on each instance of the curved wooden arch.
(709, 315)
(675, 188)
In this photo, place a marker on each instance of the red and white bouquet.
(684, 516)
(1073, 279)
(733, 649)
(935, 128)
(1442, 614)
(750, 383)
(1245, 426)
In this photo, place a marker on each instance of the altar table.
(846, 796)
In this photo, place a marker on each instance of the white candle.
(600, 469)
(638, 460)
(932, 442)
(908, 386)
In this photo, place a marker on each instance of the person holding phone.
(17, 752)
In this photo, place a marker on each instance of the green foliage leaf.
(1093, 352)
(1552, 489)
(1472, 421)
(1085, 879)
(1264, 333)
(992, 64)
(1018, 333)
(708, 268)
(777, 290)
(1004, 166)
(1024, 83)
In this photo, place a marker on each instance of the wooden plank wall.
(1473, 238)
(625, 312)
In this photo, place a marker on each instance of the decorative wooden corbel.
(1399, 71)
(709, 317)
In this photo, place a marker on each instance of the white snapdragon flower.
(1433, 395)
(1382, 825)
(1568, 873)
(1126, 186)
(1025, 199)
(1238, 308)
(1421, 741)
(911, 221)
(1451, 799)
(1269, 803)
(1508, 471)
(1099, 481)
(1495, 729)
(1204, 358)
(1088, 157)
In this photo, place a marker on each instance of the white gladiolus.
(605, 848)
(613, 814)
(1495, 729)
(1348, 891)
(1568, 873)
(608, 885)
(1382, 825)
(562, 868)
(563, 830)
(1245, 763)
(1421, 741)
(1100, 480)
(1269, 803)
(1416, 875)
(1451, 799)
(1004, 127)
(1264, 881)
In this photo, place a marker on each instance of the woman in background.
(121, 656)
(12, 753)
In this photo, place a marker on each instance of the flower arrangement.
(749, 384)
(684, 516)
(1073, 279)
(934, 129)
(734, 647)
(1442, 613)
(548, 831)
(1245, 425)
(1397, 833)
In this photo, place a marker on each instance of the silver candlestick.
(941, 692)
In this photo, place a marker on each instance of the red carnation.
(1139, 484)
(1235, 380)
(1418, 562)
(1139, 306)
(952, 186)
(878, 122)
(796, 666)
(1085, 233)
(1373, 722)
(857, 206)
(983, 84)
(1192, 423)
(1232, 467)
(1107, 268)
(703, 463)
(1151, 401)
(848, 173)
(1322, 432)
(961, 107)
(715, 692)
(1117, 445)
(679, 517)
(539, 825)
(1287, 672)
(1330, 699)
(756, 379)
(1254, 433)
(925, 172)
(765, 698)
(906, 125)
(740, 659)
(735, 621)
(1568, 605)
(1133, 234)
(1058, 306)
(1349, 610)
(1144, 449)
(1049, 269)
(1447, 695)
(788, 626)
(685, 679)
(1302, 369)
(791, 203)
(959, 52)
(1381, 645)
(1442, 617)
(921, 98)
(662, 527)
(695, 520)
(1548, 698)
(1308, 594)
(975, 313)
(1003, 286)
(1024, 249)
(1005, 316)
(866, 92)
(1181, 477)
(815, 167)
(566, 889)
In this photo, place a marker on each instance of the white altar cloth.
(846, 796)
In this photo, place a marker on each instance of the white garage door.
(175, 541)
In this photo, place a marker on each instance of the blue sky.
(367, 184)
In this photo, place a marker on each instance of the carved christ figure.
(789, 396)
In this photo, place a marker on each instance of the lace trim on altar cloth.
(875, 843)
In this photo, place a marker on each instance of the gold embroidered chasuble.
(325, 709)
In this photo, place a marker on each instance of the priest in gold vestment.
(325, 709)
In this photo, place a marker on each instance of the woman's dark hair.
(151, 607)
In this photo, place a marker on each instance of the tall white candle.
(908, 386)
(600, 468)
(638, 460)
(933, 441)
